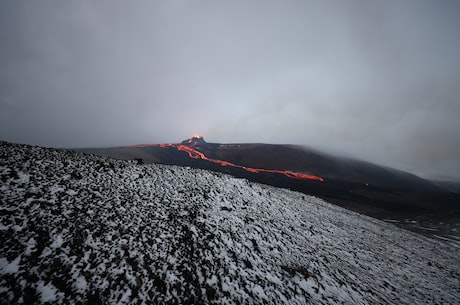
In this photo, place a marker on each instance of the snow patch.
(48, 292)
(9, 267)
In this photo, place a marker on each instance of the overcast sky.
(377, 80)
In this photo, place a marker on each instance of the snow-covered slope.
(79, 229)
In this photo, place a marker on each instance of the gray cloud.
(378, 80)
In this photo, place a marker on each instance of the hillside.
(297, 159)
(83, 229)
(377, 191)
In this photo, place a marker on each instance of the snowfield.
(80, 229)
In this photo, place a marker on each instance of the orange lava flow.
(195, 154)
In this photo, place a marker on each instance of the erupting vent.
(190, 147)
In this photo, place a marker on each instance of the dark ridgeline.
(361, 186)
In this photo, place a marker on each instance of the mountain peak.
(195, 140)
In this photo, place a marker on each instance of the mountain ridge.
(377, 191)
(280, 157)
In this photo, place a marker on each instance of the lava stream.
(195, 154)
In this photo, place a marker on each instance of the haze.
(377, 80)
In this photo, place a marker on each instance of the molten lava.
(194, 140)
(188, 146)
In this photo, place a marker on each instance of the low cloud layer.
(378, 80)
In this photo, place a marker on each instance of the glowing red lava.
(195, 154)
(194, 138)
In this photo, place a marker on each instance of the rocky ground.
(80, 229)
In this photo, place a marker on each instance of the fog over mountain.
(379, 81)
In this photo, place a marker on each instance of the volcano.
(195, 140)
(195, 146)
(361, 186)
